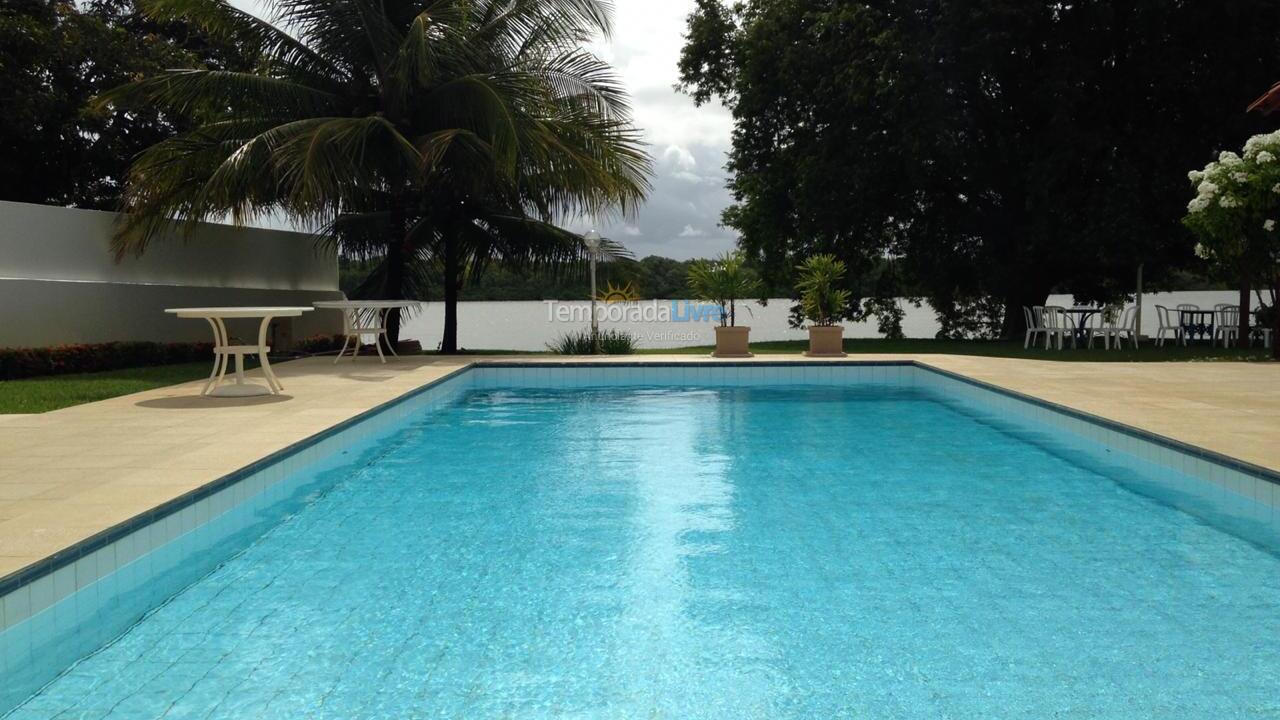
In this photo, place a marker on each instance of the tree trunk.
(394, 287)
(1244, 312)
(1275, 320)
(1015, 322)
(452, 283)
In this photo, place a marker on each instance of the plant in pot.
(824, 303)
(724, 281)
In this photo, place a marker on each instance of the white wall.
(60, 284)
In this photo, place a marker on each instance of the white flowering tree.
(1234, 214)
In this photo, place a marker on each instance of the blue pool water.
(798, 552)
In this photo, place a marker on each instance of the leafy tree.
(1235, 214)
(54, 57)
(995, 150)
(434, 136)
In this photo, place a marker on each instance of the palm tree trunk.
(449, 343)
(394, 289)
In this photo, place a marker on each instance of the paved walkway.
(69, 474)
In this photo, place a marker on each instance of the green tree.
(1235, 214)
(441, 135)
(55, 56)
(997, 151)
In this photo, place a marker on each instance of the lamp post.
(593, 242)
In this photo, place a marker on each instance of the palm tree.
(430, 134)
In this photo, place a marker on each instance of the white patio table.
(365, 317)
(222, 347)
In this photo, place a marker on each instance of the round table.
(1080, 329)
(222, 348)
(365, 317)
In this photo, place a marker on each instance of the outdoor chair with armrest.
(1227, 324)
(1034, 317)
(1057, 325)
(1105, 325)
(1167, 326)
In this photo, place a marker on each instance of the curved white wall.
(60, 284)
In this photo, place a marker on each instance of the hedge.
(16, 363)
(62, 359)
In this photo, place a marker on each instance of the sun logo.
(615, 294)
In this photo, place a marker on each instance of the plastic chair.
(362, 321)
(1226, 324)
(1034, 317)
(1167, 326)
(1106, 324)
(1057, 325)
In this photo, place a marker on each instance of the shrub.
(612, 342)
(824, 302)
(317, 344)
(723, 281)
(18, 363)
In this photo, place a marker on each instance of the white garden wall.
(60, 284)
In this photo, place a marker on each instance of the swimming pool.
(843, 541)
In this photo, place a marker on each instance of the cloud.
(688, 143)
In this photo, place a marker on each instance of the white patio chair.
(361, 321)
(1057, 325)
(1128, 326)
(1034, 317)
(1226, 323)
(1106, 325)
(1167, 326)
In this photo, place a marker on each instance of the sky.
(681, 218)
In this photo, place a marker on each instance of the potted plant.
(824, 304)
(724, 281)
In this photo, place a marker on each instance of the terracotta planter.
(826, 341)
(731, 342)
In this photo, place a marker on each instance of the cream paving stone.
(69, 474)
(10, 564)
(22, 490)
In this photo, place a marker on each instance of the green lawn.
(42, 394)
(991, 348)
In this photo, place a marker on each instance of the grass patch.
(1000, 348)
(42, 394)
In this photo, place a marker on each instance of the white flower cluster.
(1226, 182)
(1269, 225)
(1202, 252)
(1256, 145)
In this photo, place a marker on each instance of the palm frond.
(214, 93)
(222, 21)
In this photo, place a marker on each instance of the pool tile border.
(1202, 454)
(277, 461)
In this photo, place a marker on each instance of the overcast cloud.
(682, 216)
(688, 144)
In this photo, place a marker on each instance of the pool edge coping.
(70, 554)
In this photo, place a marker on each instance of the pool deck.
(69, 474)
